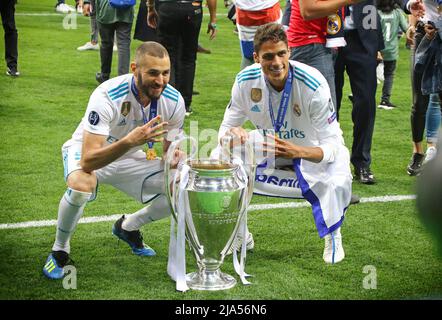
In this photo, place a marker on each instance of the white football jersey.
(255, 5)
(113, 111)
(310, 119)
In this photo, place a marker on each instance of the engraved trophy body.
(209, 198)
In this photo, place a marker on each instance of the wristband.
(213, 25)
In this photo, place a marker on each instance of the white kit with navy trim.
(113, 111)
(310, 121)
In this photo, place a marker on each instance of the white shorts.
(128, 174)
(278, 182)
(326, 186)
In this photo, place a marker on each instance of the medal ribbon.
(282, 110)
(153, 111)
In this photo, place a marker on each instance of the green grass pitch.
(41, 109)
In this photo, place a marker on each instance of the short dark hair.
(150, 48)
(270, 31)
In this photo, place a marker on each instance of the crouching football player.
(123, 114)
(290, 104)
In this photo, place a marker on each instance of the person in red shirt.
(307, 35)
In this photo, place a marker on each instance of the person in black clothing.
(143, 31)
(7, 10)
(179, 23)
(359, 59)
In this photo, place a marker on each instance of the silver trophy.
(212, 196)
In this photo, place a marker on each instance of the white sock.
(70, 211)
(158, 209)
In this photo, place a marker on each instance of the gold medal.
(439, 9)
(151, 154)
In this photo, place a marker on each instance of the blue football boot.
(133, 238)
(53, 268)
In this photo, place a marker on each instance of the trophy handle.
(249, 162)
(250, 168)
(170, 182)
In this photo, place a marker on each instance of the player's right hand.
(178, 156)
(238, 134)
(152, 131)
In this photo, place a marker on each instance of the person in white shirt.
(123, 114)
(290, 105)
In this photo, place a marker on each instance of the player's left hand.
(281, 148)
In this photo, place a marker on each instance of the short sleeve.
(99, 113)
(234, 115)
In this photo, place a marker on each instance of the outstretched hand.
(152, 131)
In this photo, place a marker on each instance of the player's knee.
(341, 186)
(82, 181)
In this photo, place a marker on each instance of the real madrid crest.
(334, 24)
(256, 94)
(125, 108)
(297, 109)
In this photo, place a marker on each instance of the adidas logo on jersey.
(255, 108)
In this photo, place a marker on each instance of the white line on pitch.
(254, 207)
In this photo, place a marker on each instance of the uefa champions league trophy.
(209, 200)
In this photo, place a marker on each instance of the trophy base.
(210, 280)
